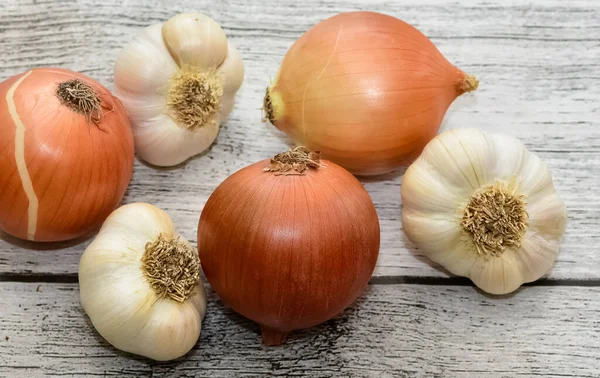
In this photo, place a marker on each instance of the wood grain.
(392, 331)
(536, 61)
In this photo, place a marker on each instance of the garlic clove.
(142, 107)
(442, 239)
(518, 164)
(513, 156)
(118, 310)
(539, 254)
(161, 142)
(471, 154)
(196, 40)
(150, 222)
(497, 275)
(456, 259)
(548, 215)
(423, 189)
(461, 172)
(438, 233)
(144, 65)
(227, 104)
(171, 340)
(535, 180)
(512, 271)
(232, 70)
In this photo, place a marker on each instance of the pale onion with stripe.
(62, 171)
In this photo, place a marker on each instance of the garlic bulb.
(178, 81)
(140, 285)
(483, 206)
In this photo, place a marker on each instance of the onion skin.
(289, 252)
(367, 90)
(79, 170)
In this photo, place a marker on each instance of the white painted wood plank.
(393, 331)
(578, 258)
(537, 62)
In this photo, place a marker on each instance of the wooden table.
(539, 67)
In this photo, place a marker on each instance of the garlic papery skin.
(484, 207)
(139, 283)
(178, 82)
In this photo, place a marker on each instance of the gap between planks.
(376, 280)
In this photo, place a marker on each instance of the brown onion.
(66, 154)
(289, 243)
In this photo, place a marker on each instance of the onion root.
(80, 98)
(271, 337)
(294, 162)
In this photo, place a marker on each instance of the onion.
(66, 153)
(290, 243)
(366, 89)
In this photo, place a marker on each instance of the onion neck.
(297, 161)
(171, 267)
(194, 96)
(495, 218)
(273, 105)
(468, 83)
(81, 98)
